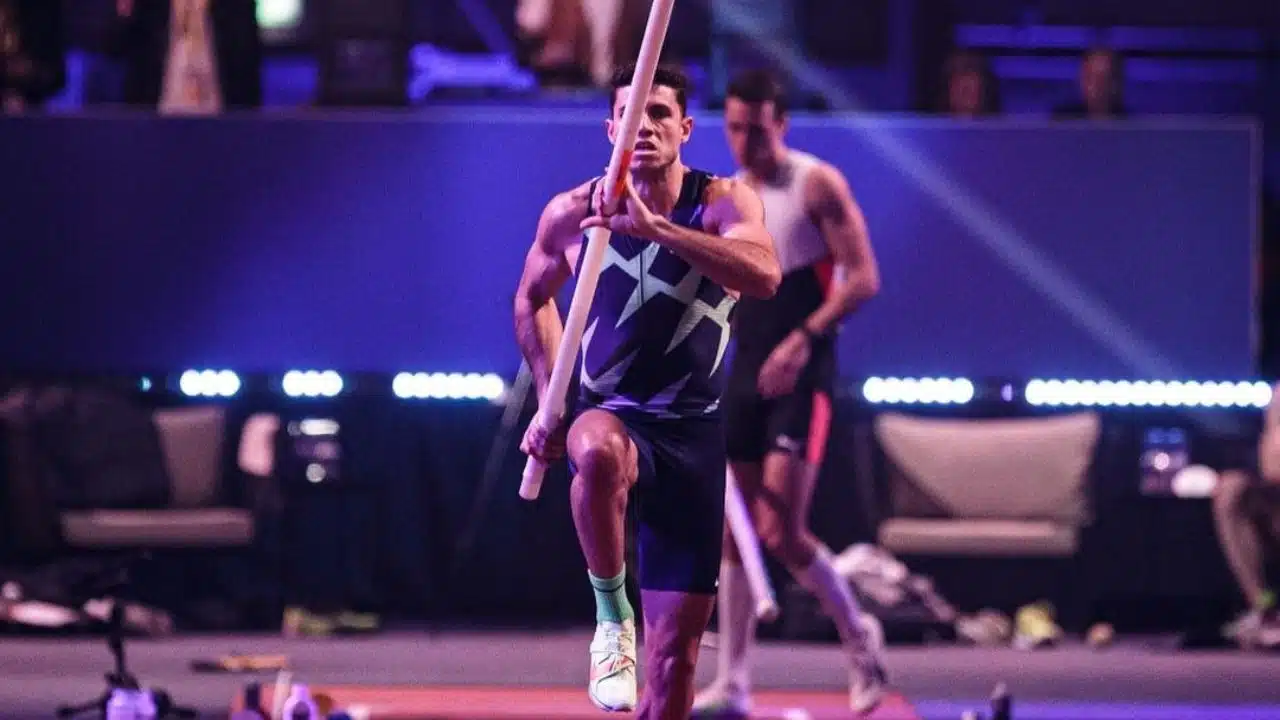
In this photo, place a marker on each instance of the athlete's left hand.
(630, 217)
(782, 369)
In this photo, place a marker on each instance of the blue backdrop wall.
(387, 243)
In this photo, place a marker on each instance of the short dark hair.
(665, 76)
(756, 87)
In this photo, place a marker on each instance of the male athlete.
(685, 246)
(778, 402)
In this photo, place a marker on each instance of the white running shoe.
(867, 676)
(722, 701)
(612, 684)
(866, 686)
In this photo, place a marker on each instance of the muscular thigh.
(799, 423)
(798, 429)
(597, 431)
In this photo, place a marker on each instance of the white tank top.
(797, 240)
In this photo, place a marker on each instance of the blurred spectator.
(1246, 508)
(32, 49)
(971, 88)
(555, 32)
(196, 56)
(616, 28)
(749, 34)
(1101, 87)
(575, 42)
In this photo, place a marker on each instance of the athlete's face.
(663, 129)
(754, 132)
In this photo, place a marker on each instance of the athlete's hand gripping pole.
(744, 536)
(553, 405)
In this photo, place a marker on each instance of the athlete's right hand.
(544, 439)
(631, 216)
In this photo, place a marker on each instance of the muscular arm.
(546, 268)
(856, 276)
(735, 250)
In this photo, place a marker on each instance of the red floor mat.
(560, 703)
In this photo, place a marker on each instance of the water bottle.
(120, 705)
(125, 704)
(1001, 703)
(300, 706)
(144, 705)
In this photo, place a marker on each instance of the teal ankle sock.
(611, 598)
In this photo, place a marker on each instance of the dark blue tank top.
(657, 333)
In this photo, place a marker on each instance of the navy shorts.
(796, 423)
(678, 500)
